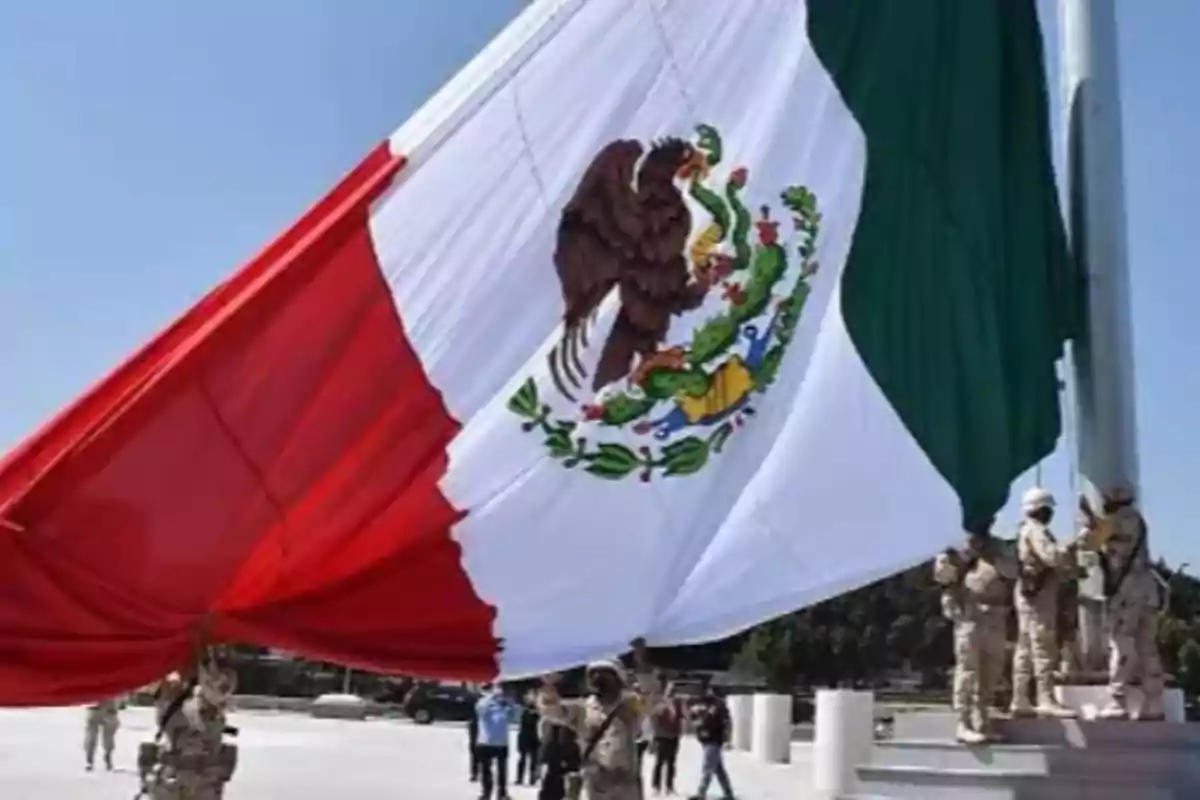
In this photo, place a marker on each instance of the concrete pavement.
(293, 757)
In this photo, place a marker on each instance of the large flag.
(661, 319)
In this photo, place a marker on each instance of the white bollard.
(771, 741)
(1174, 705)
(741, 717)
(844, 736)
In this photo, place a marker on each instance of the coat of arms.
(629, 228)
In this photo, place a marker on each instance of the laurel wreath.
(609, 459)
(690, 454)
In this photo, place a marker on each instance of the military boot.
(1151, 710)
(1021, 708)
(1048, 707)
(965, 733)
(1115, 709)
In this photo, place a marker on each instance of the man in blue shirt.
(493, 711)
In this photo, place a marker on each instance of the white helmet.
(1036, 498)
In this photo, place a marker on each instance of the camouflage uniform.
(102, 718)
(195, 762)
(976, 599)
(611, 772)
(1132, 620)
(1037, 653)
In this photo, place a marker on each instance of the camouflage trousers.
(99, 724)
(1036, 653)
(1133, 638)
(184, 785)
(189, 776)
(980, 641)
(615, 785)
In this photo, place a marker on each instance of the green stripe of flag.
(957, 292)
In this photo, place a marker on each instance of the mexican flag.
(660, 319)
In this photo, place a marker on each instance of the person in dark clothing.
(667, 725)
(560, 757)
(528, 744)
(712, 731)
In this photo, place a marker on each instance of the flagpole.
(1105, 410)
(1103, 359)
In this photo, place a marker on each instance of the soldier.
(102, 718)
(1042, 563)
(606, 724)
(169, 694)
(1134, 597)
(195, 763)
(977, 586)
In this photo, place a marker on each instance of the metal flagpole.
(1103, 359)
(1105, 413)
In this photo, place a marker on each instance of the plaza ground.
(294, 757)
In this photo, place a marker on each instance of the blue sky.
(148, 147)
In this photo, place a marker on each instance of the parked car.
(429, 702)
(395, 691)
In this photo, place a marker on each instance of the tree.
(903, 638)
(1173, 635)
(1189, 668)
(770, 655)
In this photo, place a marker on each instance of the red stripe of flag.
(265, 470)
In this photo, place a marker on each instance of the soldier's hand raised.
(1085, 509)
